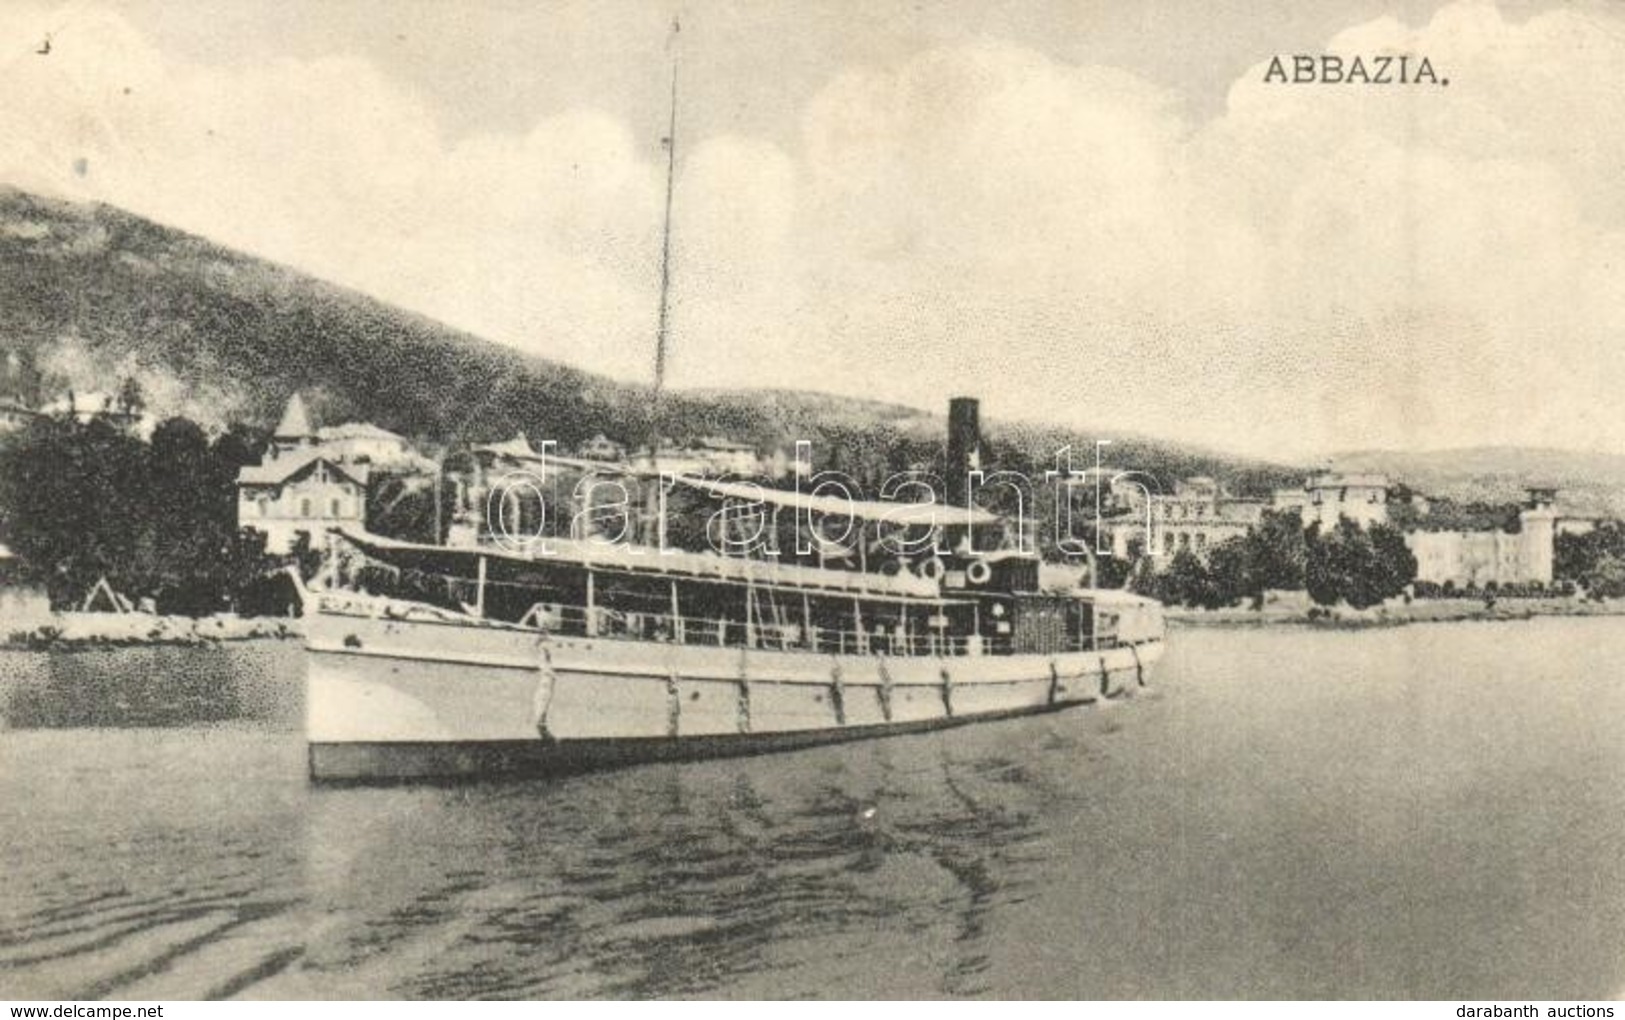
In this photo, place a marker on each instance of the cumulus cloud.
(1313, 268)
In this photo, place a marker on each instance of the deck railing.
(777, 635)
(772, 630)
(884, 638)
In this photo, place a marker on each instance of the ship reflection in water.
(1425, 811)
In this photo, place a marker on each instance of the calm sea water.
(1429, 811)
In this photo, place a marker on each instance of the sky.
(1088, 213)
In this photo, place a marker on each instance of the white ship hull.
(396, 699)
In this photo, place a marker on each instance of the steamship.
(745, 619)
(556, 633)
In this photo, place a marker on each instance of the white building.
(1196, 517)
(87, 407)
(1329, 497)
(358, 442)
(15, 416)
(1480, 557)
(601, 447)
(299, 487)
(709, 456)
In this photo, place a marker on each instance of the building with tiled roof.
(1329, 497)
(359, 442)
(300, 487)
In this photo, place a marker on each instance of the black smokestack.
(964, 447)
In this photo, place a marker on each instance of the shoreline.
(1392, 614)
(72, 631)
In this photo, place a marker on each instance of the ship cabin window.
(1049, 624)
(1106, 627)
(721, 612)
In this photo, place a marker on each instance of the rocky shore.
(91, 630)
(1299, 612)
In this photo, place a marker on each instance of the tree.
(402, 506)
(131, 399)
(1325, 569)
(1606, 580)
(191, 515)
(24, 379)
(1593, 560)
(1185, 582)
(1355, 566)
(1275, 551)
(69, 492)
(239, 446)
(159, 520)
(1395, 566)
(1112, 572)
(1232, 573)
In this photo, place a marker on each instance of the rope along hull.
(392, 699)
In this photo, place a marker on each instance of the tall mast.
(662, 325)
(665, 239)
(665, 262)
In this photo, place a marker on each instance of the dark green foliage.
(1444, 514)
(1607, 579)
(1186, 582)
(1277, 551)
(1595, 561)
(1510, 590)
(403, 506)
(1395, 566)
(1355, 565)
(158, 519)
(1271, 556)
(1232, 574)
(68, 493)
(1111, 572)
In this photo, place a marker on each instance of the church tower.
(294, 432)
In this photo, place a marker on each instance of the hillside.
(93, 295)
(98, 294)
(1587, 482)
